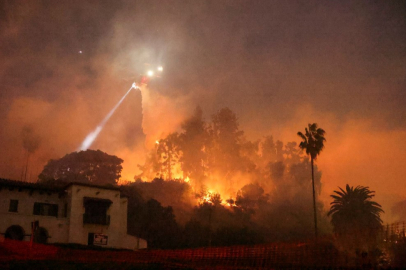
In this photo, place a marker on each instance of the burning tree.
(216, 155)
(168, 152)
(194, 141)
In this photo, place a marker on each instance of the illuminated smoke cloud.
(162, 115)
(93, 135)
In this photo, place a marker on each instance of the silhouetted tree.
(168, 151)
(226, 139)
(277, 170)
(151, 167)
(292, 153)
(175, 193)
(150, 220)
(193, 143)
(195, 234)
(88, 166)
(31, 142)
(158, 225)
(355, 215)
(313, 143)
(268, 149)
(279, 151)
(251, 197)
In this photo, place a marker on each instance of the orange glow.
(207, 198)
(356, 151)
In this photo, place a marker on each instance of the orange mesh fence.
(241, 257)
(311, 254)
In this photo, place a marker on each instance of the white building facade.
(77, 213)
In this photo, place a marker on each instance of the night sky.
(278, 65)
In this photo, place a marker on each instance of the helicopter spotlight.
(145, 78)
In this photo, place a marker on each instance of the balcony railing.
(100, 220)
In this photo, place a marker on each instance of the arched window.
(15, 232)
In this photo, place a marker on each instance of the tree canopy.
(355, 217)
(353, 209)
(263, 183)
(90, 166)
(313, 143)
(313, 140)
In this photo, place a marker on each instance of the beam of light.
(93, 135)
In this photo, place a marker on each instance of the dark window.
(45, 209)
(13, 206)
(90, 239)
(96, 211)
(65, 212)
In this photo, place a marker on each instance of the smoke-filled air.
(210, 96)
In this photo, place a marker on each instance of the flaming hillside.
(258, 72)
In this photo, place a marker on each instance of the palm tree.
(313, 142)
(353, 210)
(355, 217)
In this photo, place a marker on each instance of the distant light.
(160, 68)
(150, 73)
(135, 86)
(157, 142)
(80, 52)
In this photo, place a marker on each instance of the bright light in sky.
(135, 86)
(150, 73)
(160, 68)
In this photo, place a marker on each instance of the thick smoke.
(398, 211)
(277, 65)
(161, 114)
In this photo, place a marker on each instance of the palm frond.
(354, 207)
(313, 140)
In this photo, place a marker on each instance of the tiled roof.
(92, 185)
(57, 187)
(28, 185)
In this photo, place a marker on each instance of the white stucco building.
(77, 213)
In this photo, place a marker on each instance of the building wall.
(129, 241)
(132, 242)
(57, 227)
(68, 226)
(78, 232)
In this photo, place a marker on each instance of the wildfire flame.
(207, 197)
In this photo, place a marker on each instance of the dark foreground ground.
(323, 255)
